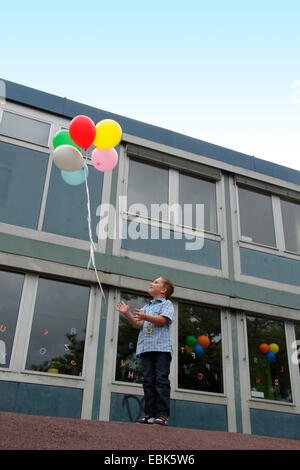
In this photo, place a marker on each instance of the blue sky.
(227, 72)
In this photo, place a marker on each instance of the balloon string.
(92, 244)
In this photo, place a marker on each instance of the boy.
(154, 347)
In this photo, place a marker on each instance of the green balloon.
(191, 341)
(63, 138)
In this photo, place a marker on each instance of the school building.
(64, 349)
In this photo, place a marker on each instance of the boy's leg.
(163, 389)
(148, 371)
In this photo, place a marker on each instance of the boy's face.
(157, 289)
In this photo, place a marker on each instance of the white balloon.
(68, 158)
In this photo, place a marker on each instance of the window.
(24, 128)
(66, 207)
(11, 285)
(22, 177)
(58, 329)
(128, 366)
(291, 225)
(269, 373)
(200, 348)
(256, 217)
(199, 191)
(147, 185)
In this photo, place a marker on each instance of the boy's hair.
(169, 286)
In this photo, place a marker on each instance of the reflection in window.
(10, 295)
(22, 177)
(269, 372)
(256, 217)
(66, 207)
(199, 348)
(291, 225)
(147, 184)
(58, 330)
(128, 366)
(24, 128)
(198, 191)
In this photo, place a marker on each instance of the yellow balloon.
(274, 348)
(108, 134)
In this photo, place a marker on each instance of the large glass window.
(58, 329)
(269, 372)
(128, 366)
(198, 191)
(291, 225)
(24, 128)
(256, 217)
(66, 207)
(147, 184)
(200, 348)
(11, 285)
(22, 177)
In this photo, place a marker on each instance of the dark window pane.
(198, 191)
(24, 128)
(256, 217)
(66, 207)
(11, 285)
(147, 185)
(58, 330)
(22, 177)
(200, 348)
(291, 225)
(128, 366)
(269, 372)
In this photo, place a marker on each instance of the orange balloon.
(264, 348)
(203, 340)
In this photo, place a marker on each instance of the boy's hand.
(139, 314)
(123, 308)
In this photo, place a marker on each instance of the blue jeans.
(156, 369)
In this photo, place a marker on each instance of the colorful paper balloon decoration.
(63, 138)
(264, 348)
(191, 341)
(104, 160)
(269, 350)
(74, 178)
(198, 350)
(108, 134)
(82, 131)
(270, 356)
(204, 341)
(68, 158)
(274, 348)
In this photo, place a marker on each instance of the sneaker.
(146, 420)
(162, 420)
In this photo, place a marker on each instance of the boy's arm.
(125, 310)
(159, 320)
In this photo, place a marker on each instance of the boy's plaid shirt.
(154, 337)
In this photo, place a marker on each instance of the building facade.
(233, 253)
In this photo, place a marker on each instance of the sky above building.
(227, 72)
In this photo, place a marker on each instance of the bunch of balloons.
(198, 345)
(82, 134)
(269, 351)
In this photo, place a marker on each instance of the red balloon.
(82, 131)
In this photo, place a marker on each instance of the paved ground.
(27, 432)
